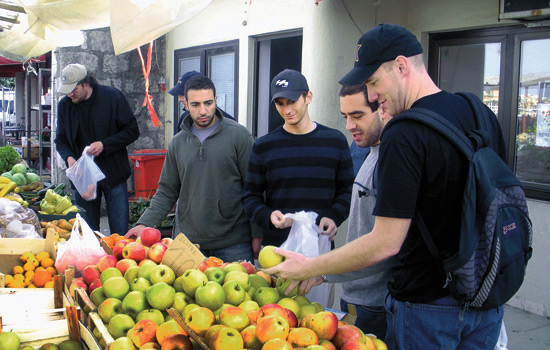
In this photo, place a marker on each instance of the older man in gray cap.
(99, 117)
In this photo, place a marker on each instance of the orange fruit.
(29, 274)
(19, 277)
(48, 284)
(42, 255)
(52, 270)
(29, 266)
(17, 284)
(8, 279)
(41, 277)
(17, 270)
(47, 262)
(109, 241)
(39, 268)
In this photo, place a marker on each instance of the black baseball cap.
(179, 88)
(288, 84)
(381, 44)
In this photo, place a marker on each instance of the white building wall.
(330, 34)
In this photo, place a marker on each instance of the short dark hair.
(90, 79)
(199, 82)
(347, 90)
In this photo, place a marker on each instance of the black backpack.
(496, 235)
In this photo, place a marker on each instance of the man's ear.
(402, 64)
(309, 97)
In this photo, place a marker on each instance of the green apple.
(248, 296)
(191, 280)
(131, 273)
(9, 341)
(266, 295)
(109, 308)
(180, 300)
(140, 284)
(200, 319)
(306, 310)
(226, 338)
(318, 306)
(234, 266)
(188, 308)
(69, 344)
(116, 287)
(146, 268)
(109, 273)
(97, 296)
(122, 343)
(119, 325)
(134, 303)
(162, 273)
(49, 346)
(211, 295)
(301, 299)
(267, 258)
(160, 295)
(215, 274)
(290, 304)
(234, 317)
(151, 314)
(234, 292)
(282, 285)
(241, 277)
(249, 305)
(27, 347)
(257, 281)
(177, 284)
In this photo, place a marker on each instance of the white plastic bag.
(82, 248)
(84, 175)
(304, 238)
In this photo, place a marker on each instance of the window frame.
(510, 38)
(204, 52)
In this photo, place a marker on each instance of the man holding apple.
(204, 173)
(419, 170)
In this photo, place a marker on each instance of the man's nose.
(350, 124)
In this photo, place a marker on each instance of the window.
(219, 62)
(508, 68)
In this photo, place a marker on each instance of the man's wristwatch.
(325, 279)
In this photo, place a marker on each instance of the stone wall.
(123, 72)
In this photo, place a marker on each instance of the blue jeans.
(442, 326)
(116, 199)
(370, 319)
(241, 251)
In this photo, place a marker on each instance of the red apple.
(277, 344)
(77, 283)
(355, 345)
(166, 241)
(149, 236)
(302, 337)
(167, 329)
(150, 346)
(125, 264)
(118, 247)
(273, 309)
(94, 285)
(156, 252)
(200, 319)
(253, 316)
(250, 269)
(145, 261)
(177, 342)
(90, 274)
(250, 341)
(203, 266)
(105, 262)
(324, 324)
(143, 332)
(271, 327)
(346, 333)
(134, 251)
(292, 319)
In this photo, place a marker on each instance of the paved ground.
(526, 331)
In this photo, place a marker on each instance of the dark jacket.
(111, 121)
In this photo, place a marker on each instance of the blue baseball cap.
(288, 84)
(179, 88)
(381, 44)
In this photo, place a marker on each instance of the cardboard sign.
(182, 255)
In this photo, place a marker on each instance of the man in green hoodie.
(204, 172)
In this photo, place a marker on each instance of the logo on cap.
(281, 83)
(357, 53)
(63, 78)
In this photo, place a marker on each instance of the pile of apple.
(228, 305)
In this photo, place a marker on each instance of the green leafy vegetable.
(8, 158)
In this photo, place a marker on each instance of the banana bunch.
(7, 186)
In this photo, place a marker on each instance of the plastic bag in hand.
(304, 234)
(82, 248)
(85, 175)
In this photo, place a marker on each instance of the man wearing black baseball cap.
(178, 91)
(301, 165)
(419, 172)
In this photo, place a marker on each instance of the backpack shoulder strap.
(439, 124)
(480, 112)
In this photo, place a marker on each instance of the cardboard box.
(12, 248)
(22, 150)
(182, 255)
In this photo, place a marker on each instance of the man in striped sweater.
(301, 165)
